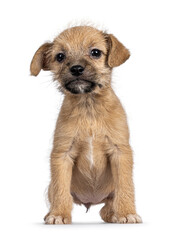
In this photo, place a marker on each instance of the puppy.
(91, 159)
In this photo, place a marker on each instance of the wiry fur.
(91, 160)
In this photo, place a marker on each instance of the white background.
(148, 85)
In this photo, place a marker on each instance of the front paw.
(57, 219)
(130, 218)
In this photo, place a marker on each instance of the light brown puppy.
(91, 160)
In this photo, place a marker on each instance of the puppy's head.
(81, 59)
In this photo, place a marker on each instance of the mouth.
(77, 86)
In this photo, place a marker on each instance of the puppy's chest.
(91, 153)
(91, 141)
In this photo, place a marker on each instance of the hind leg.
(107, 212)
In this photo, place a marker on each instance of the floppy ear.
(118, 54)
(41, 59)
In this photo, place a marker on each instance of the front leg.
(123, 203)
(59, 190)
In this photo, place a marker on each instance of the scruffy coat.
(91, 159)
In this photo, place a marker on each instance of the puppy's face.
(81, 59)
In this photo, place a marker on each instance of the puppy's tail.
(87, 205)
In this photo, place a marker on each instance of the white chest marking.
(90, 154)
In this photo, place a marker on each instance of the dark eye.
(60, 57)
(96, 53)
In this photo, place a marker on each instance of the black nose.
(76, 70)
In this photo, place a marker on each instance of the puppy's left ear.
(117, 52)
(41, 59)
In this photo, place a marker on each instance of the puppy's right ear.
(41, 59)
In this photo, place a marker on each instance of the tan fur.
(91, 160)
